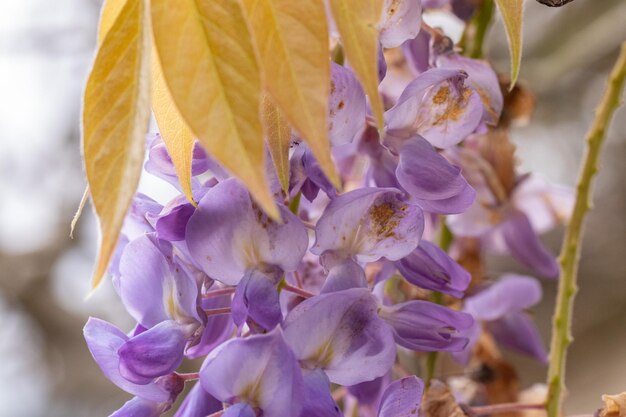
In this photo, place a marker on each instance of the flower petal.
(198, 403)
(482, 78)
(453, 112)
(138, 407)
(103, 340)
(369, 223)
(431, 180)
(348, 274)
(156, 352)
(216, 330)
(402, 398)
(432, 268)
(218, 235)
(424, 326)
(258, 370)
(525, 246)
(256, 298)
(518, 332)
(318, 400)
(402, 119)
(341, 333)
(400, 20)
(347, 106)
(510, 294)
(239, 410)
(151, 289)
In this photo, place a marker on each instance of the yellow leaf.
(357, 22)
(176, 134)
(211, 71)
(115, 120)
(109, 12)
(291, 39)
(278, 134)
(512, 13)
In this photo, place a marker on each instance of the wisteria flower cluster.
(284, 313)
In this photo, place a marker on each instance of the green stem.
(570, 251)
(474, 35)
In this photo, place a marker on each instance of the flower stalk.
(570, 251)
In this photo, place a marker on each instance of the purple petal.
(369, 223)
(198, 403)
(432, 268)
(401, 20)
(343, 276)
(142, 267)
(171, 223)
(315, 174)
(104, 340)
(382, 168)
(370, 392)
(346, 104)
(510, 294)
(401, 119)
(482, 78)
(151, 289)
(239, 410)
(160, 163)
(472, 334)
(341, 333)
(258, 370)
(382, 64)
(216, 330)
(431, 180)
(318, 400)
(518, 332)
(402, 398)
(139, 407)
(417, 52)
(218, 235)
(463, 9)
(526, 247)
(256, 298)
(453, 112)
(153, 353)
(424, 326)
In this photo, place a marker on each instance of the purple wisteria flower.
(501, 309)
(509, 219)
(255, 375)
(341, 333)
(424, 326)
(234, 242)
(152, 396)
(437, 105)
(368, 224)
(432, 268)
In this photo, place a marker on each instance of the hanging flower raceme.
(303, 314)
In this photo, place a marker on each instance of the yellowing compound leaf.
(115, 120)
(357, 22)
(278, 135)
(291, 39)
(176, 134)
(512, 12)
(211, 71)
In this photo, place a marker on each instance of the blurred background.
(45, 52)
